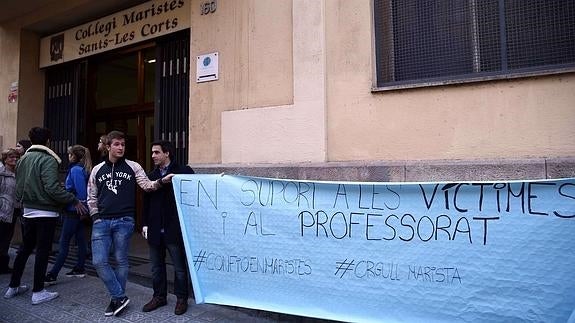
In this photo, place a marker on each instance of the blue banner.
(467, 251)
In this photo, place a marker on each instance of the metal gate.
(65, 107)
(172, 92)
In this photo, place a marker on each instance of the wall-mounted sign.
(146, 21)
(207, 67)
(13, 94)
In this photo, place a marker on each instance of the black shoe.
(49, 279)
(181, 306)
(80, 273)
(120, 304)
(154, 304)
(110, 309)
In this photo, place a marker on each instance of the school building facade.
(366, 90)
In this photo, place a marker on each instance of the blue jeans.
(106, 232)
(159, 276)
(71, 226)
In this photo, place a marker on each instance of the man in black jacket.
(161, 227)
(112, 204)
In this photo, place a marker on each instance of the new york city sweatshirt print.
(112, 188)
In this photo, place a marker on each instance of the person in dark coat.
(161, 227)
(112, 204)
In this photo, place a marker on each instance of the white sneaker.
(13, 291)
(43, 296)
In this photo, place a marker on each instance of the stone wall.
(409, 171)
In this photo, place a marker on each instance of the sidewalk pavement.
(85, 299)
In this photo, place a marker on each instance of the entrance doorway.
(121, 97)
(142, 91)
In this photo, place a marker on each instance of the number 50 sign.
(208, 7)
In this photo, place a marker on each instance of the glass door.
(121, 89)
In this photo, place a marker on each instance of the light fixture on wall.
(150, 61)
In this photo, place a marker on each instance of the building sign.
(207, 67)
(382, 252)
(146, 21)
(13, 94)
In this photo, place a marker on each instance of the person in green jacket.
(43, 197)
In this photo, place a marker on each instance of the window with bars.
(432, 42)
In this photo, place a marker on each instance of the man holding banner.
(161, 227)
(111, 200)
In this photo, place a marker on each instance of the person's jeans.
(106, 232)
(71, 226)
(37, 233)
(159, 276)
